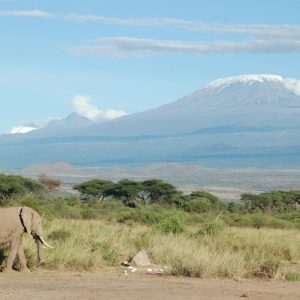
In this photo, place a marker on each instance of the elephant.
(14, 221)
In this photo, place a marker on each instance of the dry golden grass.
(231, 252)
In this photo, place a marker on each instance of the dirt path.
(114, 284)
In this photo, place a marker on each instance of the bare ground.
(114, 284)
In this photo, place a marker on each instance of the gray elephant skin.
(14, 222)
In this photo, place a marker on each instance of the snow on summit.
(245, 79)
(290, 84)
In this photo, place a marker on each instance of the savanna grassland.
(206, 251)
(195, 235)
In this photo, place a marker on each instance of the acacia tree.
(127, 190)
(272, 201)
(11, 185)
(214, 202)
(95, 188)
(158, 190)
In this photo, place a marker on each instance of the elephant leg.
(22, 259)
(14, 246)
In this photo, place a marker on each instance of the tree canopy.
(272, 201)
(129, 191)
(11, 185)
(95, 188)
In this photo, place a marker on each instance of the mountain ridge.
(245, 120)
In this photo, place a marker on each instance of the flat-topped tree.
(96, 188)
(159, 191)
(127, 191)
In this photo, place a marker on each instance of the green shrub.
(125, 216)
(292, 276)
(269, 267)
(148, 217)
(211, 229)
(72, 201)
(171, 224)
(259, 221)
(198, 205)
(88, 213)
(31, 202)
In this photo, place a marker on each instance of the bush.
(211, 229)
(269, 267)
(31, 202)
(292, 276)
(242, 221)
(259, 221)
(148, 217)
(125, 216)
(198, 205)
(171, 224)
(89, 214)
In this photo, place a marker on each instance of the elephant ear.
(26, 218)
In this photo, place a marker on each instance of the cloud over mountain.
(82, 105)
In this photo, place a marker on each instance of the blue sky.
(104, 58)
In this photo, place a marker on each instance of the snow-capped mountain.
(249, 90)
(248, 100)
(243, 120)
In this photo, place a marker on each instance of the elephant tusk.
(45, 243)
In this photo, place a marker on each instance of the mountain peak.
(75, 116)
(249, 79)
(73, 120)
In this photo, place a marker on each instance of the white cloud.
(30, 126)
(253, 38)
(272, 30)
(134, 47)
(26, 13)
(22, 129)
(82, 105)
(293, 85)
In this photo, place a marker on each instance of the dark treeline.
(148, 202)
(152, 191)
(155, 191)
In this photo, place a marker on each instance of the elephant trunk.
(39, 245)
